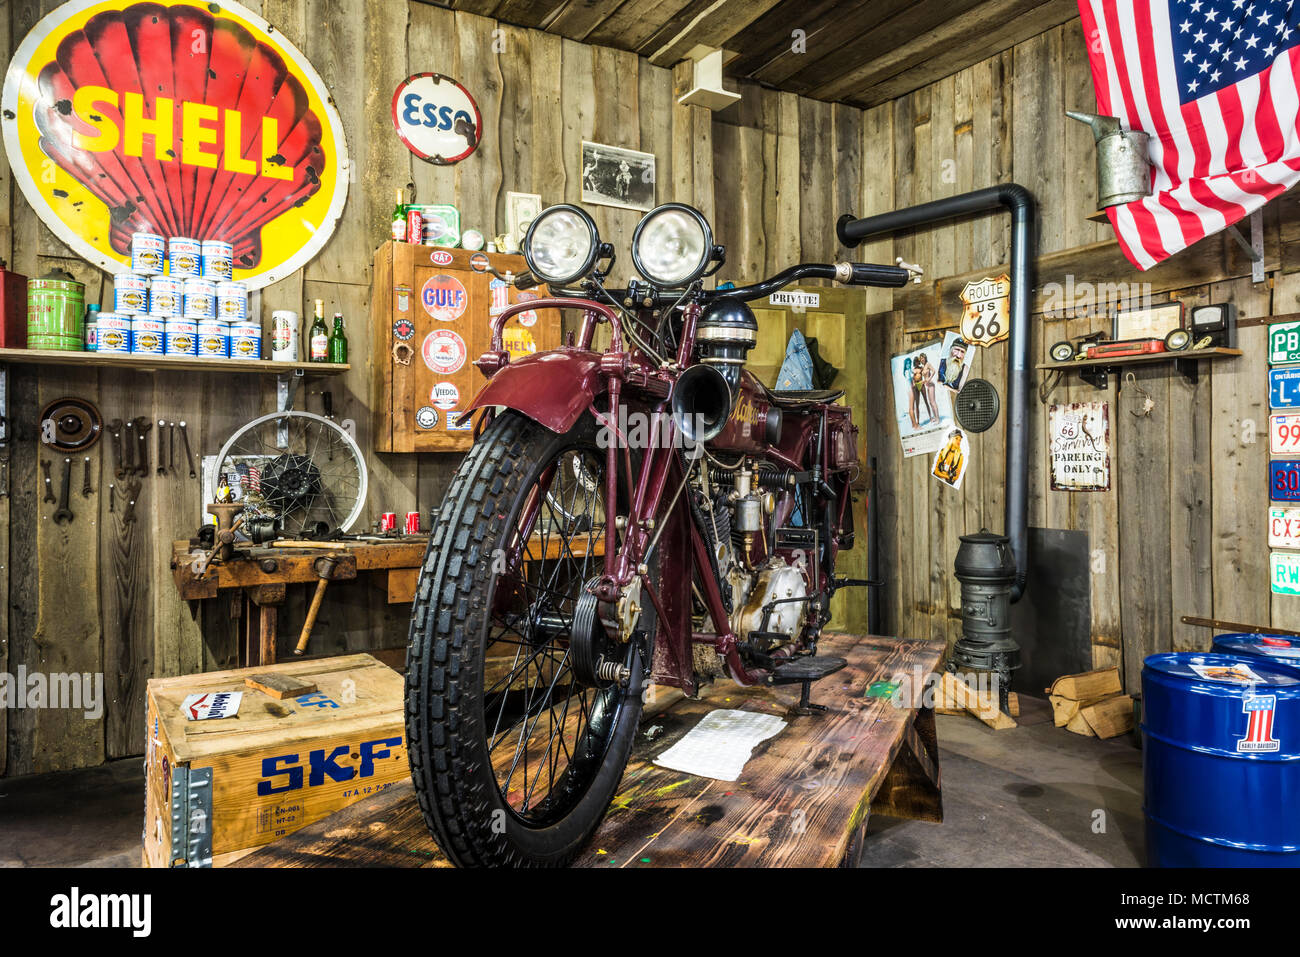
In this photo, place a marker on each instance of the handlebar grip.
(871, 274)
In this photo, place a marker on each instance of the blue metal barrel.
(1282, 648)
(1221, 761)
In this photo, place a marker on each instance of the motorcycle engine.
(778, 580)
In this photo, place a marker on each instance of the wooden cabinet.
(430, 318)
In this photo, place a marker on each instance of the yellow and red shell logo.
(174, 118)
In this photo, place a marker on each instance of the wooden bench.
(803, 799)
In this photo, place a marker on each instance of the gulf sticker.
(444, 297)
(444, 351)
(519, 342)
(445, 395)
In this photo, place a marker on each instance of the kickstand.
(805, 706)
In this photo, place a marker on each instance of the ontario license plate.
(1283, 527)
(1284, 572)
(1284, 342)
(1284, 434)
(1284, 388)
(1284, 480)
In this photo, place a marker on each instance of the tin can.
(55, 304)
(130, 294)
(412, 523)
(388, 522)
(232, 301)
(284, 335)
(184, 257)
(181, 337)
(148, 254)
(246, 339)
(200, 299)
(113, 333)
(441, 225)
(166, 297)
(414, 225)
(147, 335)
(218, 259)
(214, 339)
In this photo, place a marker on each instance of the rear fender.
(551, 388)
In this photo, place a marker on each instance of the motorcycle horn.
(701, 403)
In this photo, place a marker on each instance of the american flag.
(1259, 725)
(1215, 83)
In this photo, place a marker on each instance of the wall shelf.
(1097, 371)
(142, 363)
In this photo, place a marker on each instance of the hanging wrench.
(189, 456)
(162, 461)
(49, 483)
(115, 429)
(85, 485)
(128, 449)
(63, 514)
(171, 447)
(142, 427)
(132, 490)
(111, 496)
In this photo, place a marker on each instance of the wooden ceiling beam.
(967, 38)
(709, 25)
(635, 22)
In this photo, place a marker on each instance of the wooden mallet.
(325, 569)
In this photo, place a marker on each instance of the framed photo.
(613, 176)
(1153, 322)
(521, 210)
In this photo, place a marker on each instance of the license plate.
(1284, 388)
(1284, 434)
(1283, 527)
(1284, 480)
(1284, 572)
(1284, 342)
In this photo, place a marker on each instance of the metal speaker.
(701, 403)
(976, 406)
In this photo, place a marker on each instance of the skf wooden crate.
(430, 319)
(216, 789)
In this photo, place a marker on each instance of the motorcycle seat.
(796, 398)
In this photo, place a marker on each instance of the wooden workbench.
(803, 799)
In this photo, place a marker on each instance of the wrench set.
(131, 447)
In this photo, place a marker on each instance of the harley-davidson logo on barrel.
(194, 120)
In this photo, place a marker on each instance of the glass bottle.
(399, 220)
(318, 337)
(338, 343)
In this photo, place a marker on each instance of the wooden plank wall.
(111, 608)
(1181, 532)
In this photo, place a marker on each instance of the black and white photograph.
(613, 176)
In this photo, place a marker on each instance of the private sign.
(178, 119)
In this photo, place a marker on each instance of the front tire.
(486, 588)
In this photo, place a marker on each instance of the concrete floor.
(1026, 797)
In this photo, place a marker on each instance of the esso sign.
(436, 118)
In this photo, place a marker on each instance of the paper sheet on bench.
(720, 744)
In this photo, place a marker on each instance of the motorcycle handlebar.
(853, 274)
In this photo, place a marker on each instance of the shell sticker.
(426, 417)
(519, 342)
(197, 120)
(444, 351)
(445, 395)
(444, 297)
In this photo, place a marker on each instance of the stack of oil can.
(178, 300)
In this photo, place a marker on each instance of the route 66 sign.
(436, 118)
(986, 312)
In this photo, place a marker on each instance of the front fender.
(551, 388)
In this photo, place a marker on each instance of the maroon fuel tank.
(754, 425)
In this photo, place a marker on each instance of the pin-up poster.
(925, 380)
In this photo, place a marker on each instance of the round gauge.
(1062, 351)
(1178, 340)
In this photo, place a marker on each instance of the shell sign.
(179, 119)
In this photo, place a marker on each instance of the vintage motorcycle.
(644, 513)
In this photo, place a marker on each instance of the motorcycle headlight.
(561, 245)
(672, 245)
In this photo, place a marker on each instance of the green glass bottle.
(318, 336)
(338, 345)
